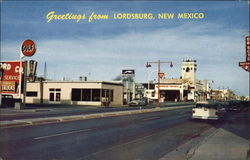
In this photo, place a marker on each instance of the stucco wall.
(66, 89)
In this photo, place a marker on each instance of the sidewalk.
(222, 145)
(229, 142)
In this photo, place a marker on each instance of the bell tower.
(188, 71)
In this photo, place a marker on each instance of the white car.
(207, 110)
(137, 102)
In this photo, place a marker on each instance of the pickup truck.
(207, 110)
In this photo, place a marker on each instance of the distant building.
(223, 95)
(139, 90)
(97, 93)
(128, 81)
(187, 88)
(188, 73)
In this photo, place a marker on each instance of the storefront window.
(51, 97)
(31, 94)
(80, 94)
(111, 95)
(96, 95)
(86, 94)
(104, 92)
(58, 96)
(55, 94)
(76, 95)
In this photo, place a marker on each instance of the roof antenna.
(45, 71)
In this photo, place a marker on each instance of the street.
(51, 111)
(141, 136)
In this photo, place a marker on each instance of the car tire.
(248, 155)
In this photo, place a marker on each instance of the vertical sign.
(246, 65)
(247, 48)
(10, 75)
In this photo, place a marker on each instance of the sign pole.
(28, 48)
(24, 83)
(159, 76)
(159, 94)
(20, 74)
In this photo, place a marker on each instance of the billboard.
(128, 71)
(10, 77)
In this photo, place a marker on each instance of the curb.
(40, 121)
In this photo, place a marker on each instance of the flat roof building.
(97, 93)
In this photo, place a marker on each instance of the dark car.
(7, 101)
(233, 106)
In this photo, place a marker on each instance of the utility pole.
(160, 75)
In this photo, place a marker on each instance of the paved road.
(32, 111)
(144, 136)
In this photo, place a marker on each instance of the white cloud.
(217, 53)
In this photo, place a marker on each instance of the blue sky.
(102, 48)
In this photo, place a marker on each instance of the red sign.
(10, 76)
(28, 48)
(248, 49)
(245, 65)
(160, 74)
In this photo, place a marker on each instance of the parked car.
(233, 106)
(7, 100)
(137, 102)
(208, 110)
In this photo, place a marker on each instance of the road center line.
(60, 134)
(151, 118)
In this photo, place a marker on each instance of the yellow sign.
(7, 87)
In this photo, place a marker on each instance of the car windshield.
(215, 106)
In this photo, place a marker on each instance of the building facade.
(186, 88)
(97, 93)
(223, 95)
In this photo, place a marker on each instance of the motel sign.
(246, 65)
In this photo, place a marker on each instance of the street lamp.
(159, 74)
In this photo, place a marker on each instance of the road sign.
(160, 74)
(28, 48)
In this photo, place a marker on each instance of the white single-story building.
(97, 93)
